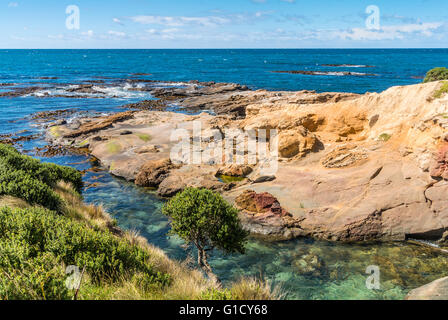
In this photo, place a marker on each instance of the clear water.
(304, 269)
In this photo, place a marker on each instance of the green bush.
(36, 243)
(31, 180)
(436, 74)
(205, 219)
(48, 173)
(21, 185)
(216, 294)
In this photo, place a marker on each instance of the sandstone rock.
(439, 166)
(234, 170)
(153, 173)
(171, 185)
(296, 142)
(436, 290)
(343, 157)
(260, 203)
(148, 149)
(100, 124)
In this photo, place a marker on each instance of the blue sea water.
(341, 273)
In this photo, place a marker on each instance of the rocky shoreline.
(351, 167)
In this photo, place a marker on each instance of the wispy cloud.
(392, 32)
(117, 21)
(209, 21)
(13, 4)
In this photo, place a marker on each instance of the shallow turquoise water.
(340, 271)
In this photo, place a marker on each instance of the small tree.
(203, 218)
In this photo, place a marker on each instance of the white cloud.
(117, 34)
(390, 32)
(13, 4)
(88, 34)
(118, 21)
(181, 21)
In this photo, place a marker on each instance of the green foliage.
(443, 89)
(143, 136)
(215, 294)
(436, 74)
(29, 179)
(204, 218)
(36, 243)
(48, 173)
(384, 137)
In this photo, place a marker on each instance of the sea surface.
(302, 269)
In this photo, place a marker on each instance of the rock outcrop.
(153, 172)
(436, 290)
(351, 167)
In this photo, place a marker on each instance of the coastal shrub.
(48, 173)
(436, 74)
(443, 89)
(216, 294)
(203, 218)
(33, 181)
(21, 185)
(40, 238)
(23, 277)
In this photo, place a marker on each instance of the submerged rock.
(436, 290)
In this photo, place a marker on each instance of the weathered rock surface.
(352, 167)
(234, 170)
(436, 290)
(153, 172)
(439, 167)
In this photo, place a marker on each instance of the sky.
(83, 24)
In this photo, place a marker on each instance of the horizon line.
(354, 48)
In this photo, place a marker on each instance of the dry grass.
(9, 201)
(95, 215)
(253, 289)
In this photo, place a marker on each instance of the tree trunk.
(203, 263)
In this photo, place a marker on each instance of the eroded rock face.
(153, 173)
(337, 176)
(260, 203)
(100, 124)
(439, 166)
(234, 170)
(262, 215)
(296, 142)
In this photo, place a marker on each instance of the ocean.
(340, 271)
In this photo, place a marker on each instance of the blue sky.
(224, 24)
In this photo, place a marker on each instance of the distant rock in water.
(325, 73)
(348, 65)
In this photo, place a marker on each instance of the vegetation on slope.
(45, 227)
(443, 90)
(436, 74)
